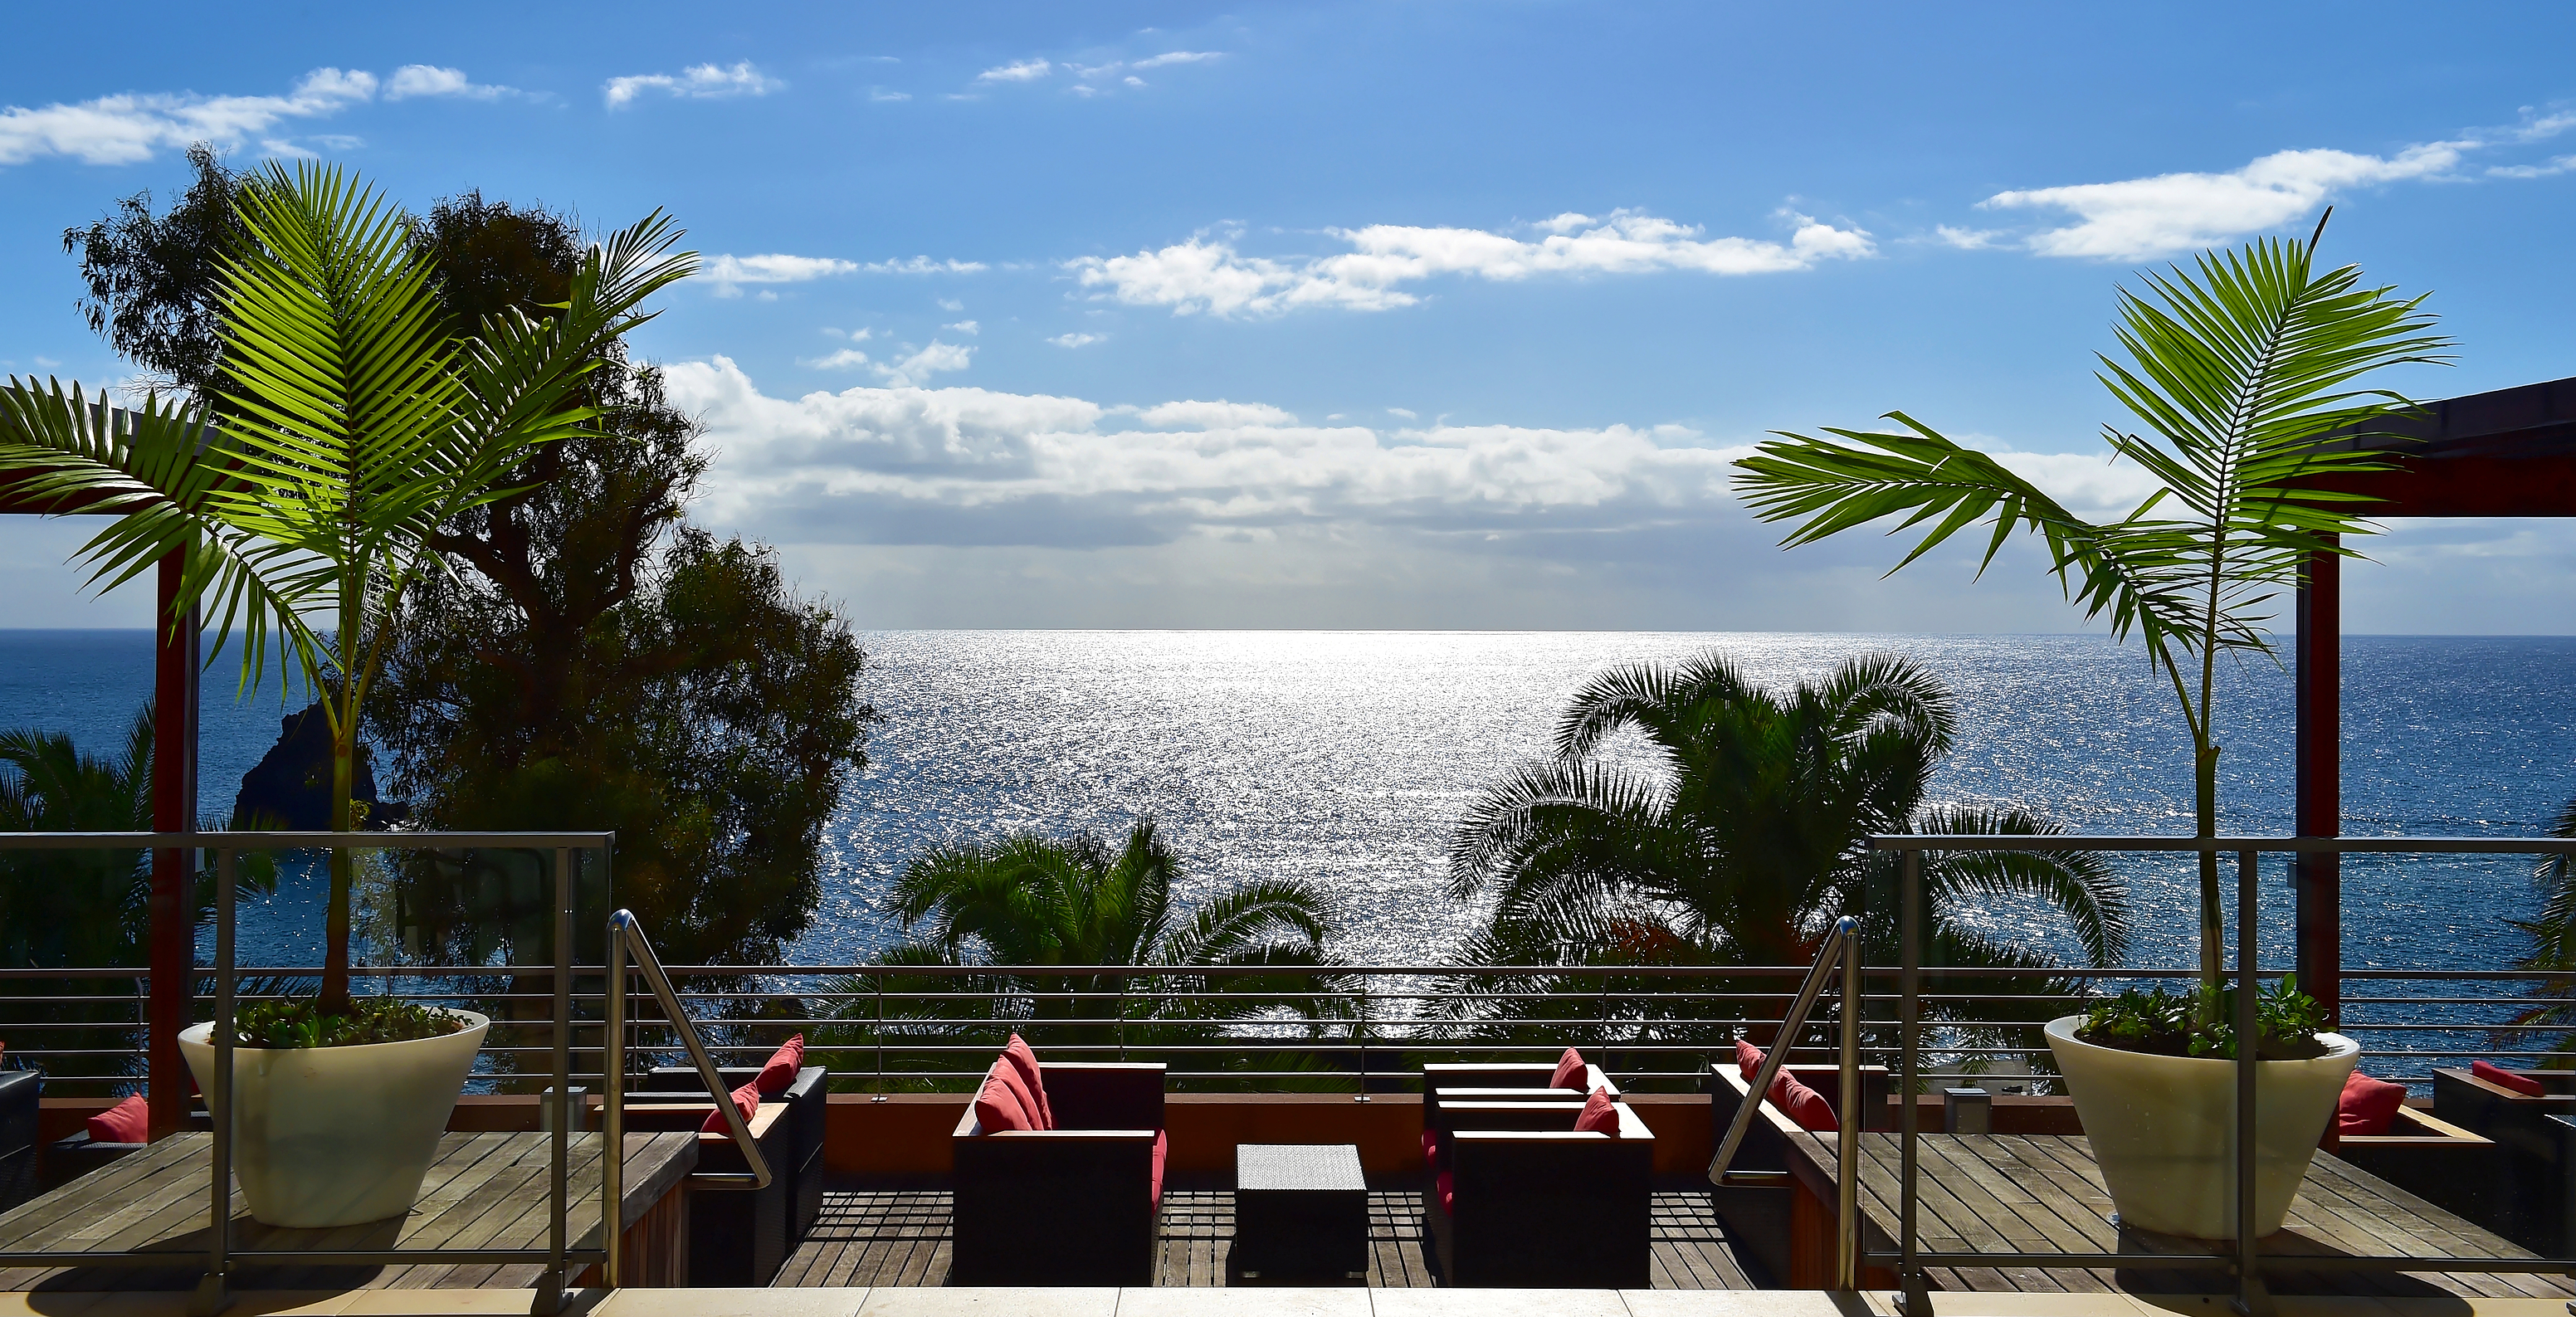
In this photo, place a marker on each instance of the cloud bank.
(699, 82)
(1208, 275)
(131, 127)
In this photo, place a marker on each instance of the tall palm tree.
(1028, 900)
(2244, 376)
(2553, 947)
(350, 426)
(1746, 838)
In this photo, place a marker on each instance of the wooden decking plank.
(2003, 1228)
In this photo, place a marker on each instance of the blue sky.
(1382, 315)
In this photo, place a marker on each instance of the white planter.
(333, 1136)
(2163, 1129)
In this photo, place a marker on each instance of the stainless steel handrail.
(626, 938)
(1840, 952)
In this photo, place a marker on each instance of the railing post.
(1847, 1143)
(612, 1131)
(1915, 1296)
(2252, 1298)
(550, 1286)
(878, 979)
(214, 1288)
(1362, 1031)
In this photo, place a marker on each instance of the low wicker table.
(1300, 1209)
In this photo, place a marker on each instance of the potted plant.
(2244, 373)
(349, 423)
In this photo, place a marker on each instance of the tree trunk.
(2213, 929)
(335, 946)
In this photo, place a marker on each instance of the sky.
(1385, 315)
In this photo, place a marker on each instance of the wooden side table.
(1300, 1209)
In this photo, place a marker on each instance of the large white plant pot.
(333, 1136)
(2163, 1129)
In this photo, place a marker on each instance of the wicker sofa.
(1522, 1199)
(2524, 1196)
(1079, 1204)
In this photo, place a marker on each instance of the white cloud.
(1077, 340)
(938, 358)
(845, 359)
(1177, 57)
(1134, 81)
(1405, 412)
(881, 95)
(853, 335)
(131, 127)
(1209, 275)
(964, 465)
(965, 327)
(728, 272)
(1027, 70)
(951, 304)
(1970, 239)
(430, 80)
(702, 82)
(2558, 165)
(2146, 217)
(924, 265)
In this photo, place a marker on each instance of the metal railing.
(2243, 1259)
(1840, 954)
(220, 1258)
(627, 942)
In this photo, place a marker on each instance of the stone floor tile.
(1747, 1303)
(1496, 1303)
(1282, 1301)
(733, 1303)
(992, 1301)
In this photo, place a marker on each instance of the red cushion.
(1569, 1070)
(1020, 1089)
(1802, 1104)
(1162, 1144)
(1000, 1105)
(780, 1074)
(746, 1100)
(1431, 1148)
(2504, 1078)
(1026, 1063)
(1600, 1115)
(2368, 1106)
(1444, 1187)
(129, 1121)
(1748, 1059)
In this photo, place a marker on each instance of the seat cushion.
(1569, 1071)
(129, 1121)
(1025, 1061)
(1444, 1187)
(998, 1105)
(2368, 1106)
(779, 1075)
(1162, 1145)
(1802, 1104)
(1600, 1115)
(1748, 1060)
(2503, 1078)
(746, 1100)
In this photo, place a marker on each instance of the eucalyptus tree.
(353, 424)
(2245, 373)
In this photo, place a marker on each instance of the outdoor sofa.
(802, 1168)
(19, 1093)
(741, 1237)
(1521, 1198)
(1758, 1217)
(1532, 1081)
(1076, 1204)
(2525, 1197)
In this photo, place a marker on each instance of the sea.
(1347, 758)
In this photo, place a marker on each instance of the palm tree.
(350, 426)
(1745, 841)
(1027, 900)
(2553, 947)
(2244, 376)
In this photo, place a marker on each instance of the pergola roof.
(2505, 453)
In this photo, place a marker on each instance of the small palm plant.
(2553, 947)
(349, 426)
(1027, 901)
(2245, 373)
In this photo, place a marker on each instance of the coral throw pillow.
(1600, 1115)
(2503, 1078)
(1009, 1074)
(1569, 1071)
(2368, 1106)
(1803, 1105)
(780, 1074)
(1025, 1062)
(746, 1100)
(129, 1121)
(1748, 1059)
(998, 1106)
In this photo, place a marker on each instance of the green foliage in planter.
(2173, 1024)
(301, 1022)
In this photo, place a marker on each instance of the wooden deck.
(2041, 1193)
(900, 1237)
(483, 1191)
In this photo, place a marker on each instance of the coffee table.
(1300, 1209)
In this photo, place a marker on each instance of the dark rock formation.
(290, 787)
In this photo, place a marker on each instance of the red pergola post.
(174, 809)
(2318, 786)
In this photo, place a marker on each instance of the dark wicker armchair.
(2525, 1197)
(806, 1115)
(1522, 1199)
(1080, 1204)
